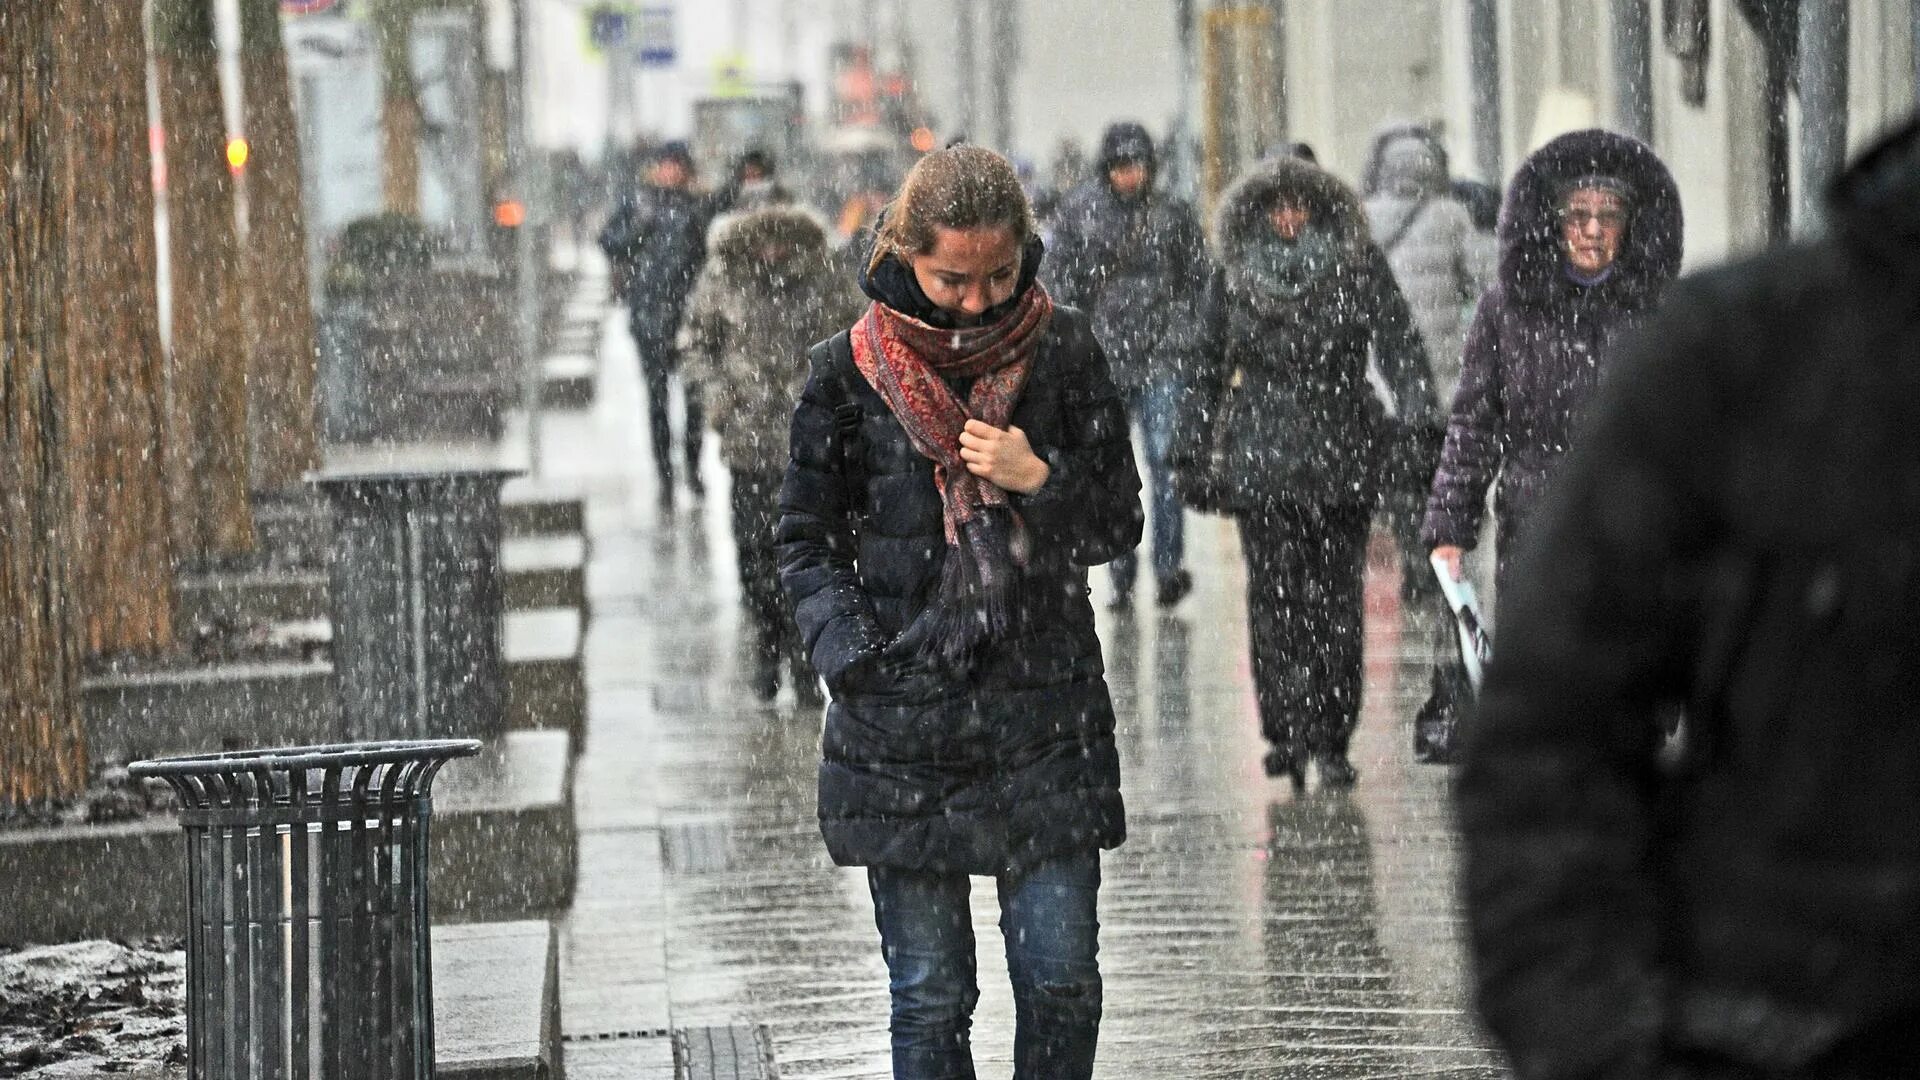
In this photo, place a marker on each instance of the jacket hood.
(735, 240)
(1242, 213)
(1531, 259)
(1406, 156)
(1874, 205)
(1127, 141)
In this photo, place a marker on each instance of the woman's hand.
(1455, 559)
(1003, 458)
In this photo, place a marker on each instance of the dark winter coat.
(1538, 341)
(1281, 390)
(748, 325)
(1017, 764)
(1136, 266)
(1440, 260)
(1739, 531)
(656, 240)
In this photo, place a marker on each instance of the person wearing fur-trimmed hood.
(769, 290)
(1590, 236)
(1284, 432)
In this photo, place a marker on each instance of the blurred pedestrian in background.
(1734, 535)
(1285, 433)
(1135, 261)
(959, 458)
(753, 184)
(655, 241)
(1590, 237)
(1442, 264)
(769, 290)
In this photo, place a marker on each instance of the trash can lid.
(301, 758)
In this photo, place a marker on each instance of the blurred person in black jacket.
(1736, 535)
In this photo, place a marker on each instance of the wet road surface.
(1246, 932)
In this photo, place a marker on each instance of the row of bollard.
(309, 952)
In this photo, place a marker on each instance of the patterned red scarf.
(907, 363)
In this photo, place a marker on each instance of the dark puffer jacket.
(1538, 341)
(1281, 393)
(1017, 764)
(1135, 265)
(1735, 531)
(656, 240)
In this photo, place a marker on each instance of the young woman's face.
(968, 271)
(1287, 219)
(1592, 223)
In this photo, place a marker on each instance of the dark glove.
(1413, 455)
(882, 674)
(1195, 478)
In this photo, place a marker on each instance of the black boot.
(765, 680)
(1336, 771)
(806, 685)
(1174, 588)
(1281, 760)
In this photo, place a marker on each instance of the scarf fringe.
(977, 599)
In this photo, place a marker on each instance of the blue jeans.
(1049, 920)
(1156, 406)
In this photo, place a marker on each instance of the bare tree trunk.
(399, 107)
(208, 434)
(42, 743)
(116, 373)
(281, 356)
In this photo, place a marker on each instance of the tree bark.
(281, 353)
(42, 743)
(116, 370)
(208, 433)
(399, 107)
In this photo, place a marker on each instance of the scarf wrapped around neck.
(907, 362)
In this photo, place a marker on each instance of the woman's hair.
(961, 187)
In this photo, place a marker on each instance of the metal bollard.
(414, 577)
(308, 951)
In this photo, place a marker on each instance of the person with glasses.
(1590, 237)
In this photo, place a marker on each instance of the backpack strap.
(1392, 240)
(846, 420)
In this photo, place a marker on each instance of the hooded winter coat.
(1736, 531)
(1136, 265)
(1539, 339)
(656, 239)
(1281, 390)
(1016, 764)
(748, 326)
(1440, 260)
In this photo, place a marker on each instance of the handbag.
(1203, 475)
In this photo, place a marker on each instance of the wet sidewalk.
(1246, 932)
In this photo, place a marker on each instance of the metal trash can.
(417, 602)
(307, 947)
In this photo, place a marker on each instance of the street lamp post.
(1633, 68)
(1823, 97)
(1483, 62)
(963, 54)
(1006, 54)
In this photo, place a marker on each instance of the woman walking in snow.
(959, 458)
(1285, 432)
(1589, 238)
